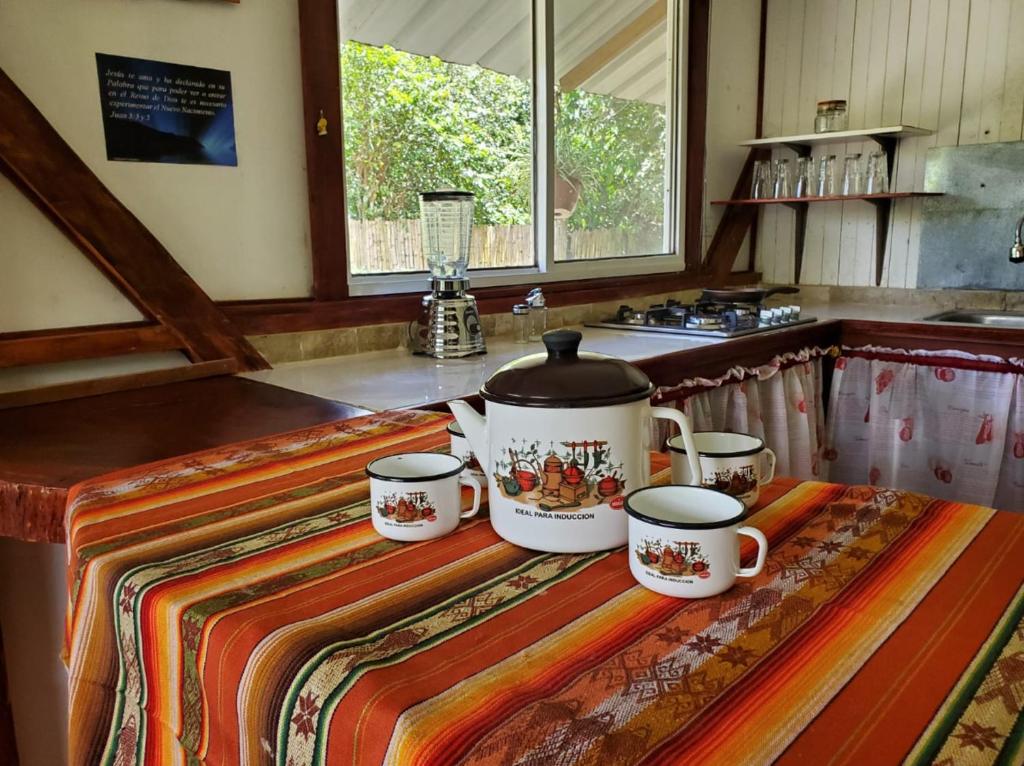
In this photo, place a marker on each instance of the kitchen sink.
(1012, 319)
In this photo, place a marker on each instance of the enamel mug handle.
(769, 457)
(469, 480)
(762, 551)
(692, 456)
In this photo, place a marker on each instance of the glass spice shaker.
(538, 313)
(521, 323)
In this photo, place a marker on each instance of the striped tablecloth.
(236, 606)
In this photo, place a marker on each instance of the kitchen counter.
(380, 380)
(394, 378)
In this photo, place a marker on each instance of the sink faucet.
(1017, 251)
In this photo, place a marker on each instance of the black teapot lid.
(566, 377)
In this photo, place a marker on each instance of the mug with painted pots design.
(737, 464)
(684, 540)
(417, 495)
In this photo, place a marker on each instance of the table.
(47, 448)
(236, 606)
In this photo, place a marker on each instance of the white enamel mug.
(737, 464)
(684, 541)
(461, 449)
(417, 495)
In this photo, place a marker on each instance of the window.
(577, 176)
(612, 185)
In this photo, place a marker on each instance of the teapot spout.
(474, 426)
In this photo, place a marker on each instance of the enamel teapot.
(566, 437)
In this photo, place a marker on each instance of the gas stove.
(711, 318)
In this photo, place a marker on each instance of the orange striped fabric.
(236, 607)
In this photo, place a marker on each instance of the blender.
(450, 327)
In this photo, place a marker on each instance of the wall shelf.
(886, 138)
(882, 136)
(791, 200)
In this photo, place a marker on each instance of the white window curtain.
(780, 402)
(946, 424)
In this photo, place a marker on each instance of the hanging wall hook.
(321, 125)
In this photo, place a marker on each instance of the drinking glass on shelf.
(761, 188)
(826, 178)
(878, 173)
(853, 177)
(802, 186)
(783, 188)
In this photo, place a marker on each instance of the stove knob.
(794, 312)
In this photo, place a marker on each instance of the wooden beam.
(47, 169)
(762, 42)
(325, 156)
(94, 387)
(762, 39)
(696, 131)
(269, 317)
(18, 349)
(735, 221)
(649, 18)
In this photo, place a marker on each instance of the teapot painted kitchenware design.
(566, 437)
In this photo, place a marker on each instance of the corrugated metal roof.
(496, 34)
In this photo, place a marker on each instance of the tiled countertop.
(395, 378)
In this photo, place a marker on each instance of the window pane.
(612, 98)
(436, 95)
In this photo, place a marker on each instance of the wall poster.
(154, 111)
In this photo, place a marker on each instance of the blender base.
(450, 328)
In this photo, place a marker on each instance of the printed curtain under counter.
(945, 423)
(780, 402)
(236, 607)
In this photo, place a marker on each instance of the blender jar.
(446, 224)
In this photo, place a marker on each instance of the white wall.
(954, 66)
(33, 596)
(240, 232)
(732, 104)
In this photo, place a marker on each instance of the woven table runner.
(236, 606)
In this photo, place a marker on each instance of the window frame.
(547, 269)
(599, 279)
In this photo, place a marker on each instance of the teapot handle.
(692, 456)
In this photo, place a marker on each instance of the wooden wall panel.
(949, 65)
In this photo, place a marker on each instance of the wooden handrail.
(72, 343)
(96, 386)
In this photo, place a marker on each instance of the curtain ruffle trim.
(738, 374)
(945, 357)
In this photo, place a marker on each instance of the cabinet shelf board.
(792, 200)
(842, 136)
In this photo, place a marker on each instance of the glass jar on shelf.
(831, 116)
